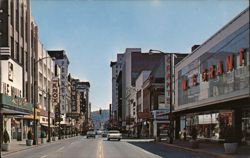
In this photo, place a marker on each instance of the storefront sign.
(160, 114)
(168, 80)
(74, 95)
(10, 90)
(216, 70)
(55, 98)
(16, 103)
(10, 71)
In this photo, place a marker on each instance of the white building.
(44, 74)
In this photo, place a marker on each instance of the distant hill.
(99, 119)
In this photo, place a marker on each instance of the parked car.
(114, 134)
(91, 133)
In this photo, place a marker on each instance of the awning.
(46, 125)
(13, 112)
(144, 115)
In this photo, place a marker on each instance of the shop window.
(246, 126)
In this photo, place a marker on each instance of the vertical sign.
(63, 86)
(167, 81)
(74, 97)
(55, 98)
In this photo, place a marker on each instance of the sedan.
(114, 134)
(91, 133)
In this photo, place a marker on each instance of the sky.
(92, 32)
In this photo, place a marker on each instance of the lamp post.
(168, 88)
(34, 99)
(49, 131)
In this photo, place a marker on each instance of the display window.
(246, 126)
(209, 125)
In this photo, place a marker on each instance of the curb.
(33, 146)
(200, 151)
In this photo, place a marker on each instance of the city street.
(80, 147)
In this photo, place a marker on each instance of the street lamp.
(34, 100)
(168, 87)
(48, 96)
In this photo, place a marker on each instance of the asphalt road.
(81, 147)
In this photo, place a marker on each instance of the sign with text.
(168, 81)
(55, 92)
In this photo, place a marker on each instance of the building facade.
(62, 60)
(134, 61)
(18, 33)
(212, 88)
(116, 68)
(44, 74)
(80, 102)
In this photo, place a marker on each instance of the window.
(22, 21)
(17, 16)
(12, 13)
(22, 56)
(26, 60)
(26, 27)
(17, 52)
(12, 47)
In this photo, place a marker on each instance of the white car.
(114, 134)
(91, 133)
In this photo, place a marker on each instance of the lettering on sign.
(217, 70)
(168, 80)
(55, 91)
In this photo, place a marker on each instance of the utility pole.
(49, 131)
(171, 97)
(1, 114)
(1, 129)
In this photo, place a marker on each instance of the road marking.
(60, 149)
(99, 153)
(44, 156)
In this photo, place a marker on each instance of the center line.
(60, 148)
(100, 150)
(44, 156)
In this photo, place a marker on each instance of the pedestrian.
(184, 134)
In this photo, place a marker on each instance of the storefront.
(13, 105)
(144, 124)
(212, 88)
(14, 109)
(160, 123)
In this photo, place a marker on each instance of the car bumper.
(114, 137)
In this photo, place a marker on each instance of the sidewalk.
(211, 149)
(16, 146)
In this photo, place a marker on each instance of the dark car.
(104, 133)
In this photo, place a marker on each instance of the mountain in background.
(99, 119)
